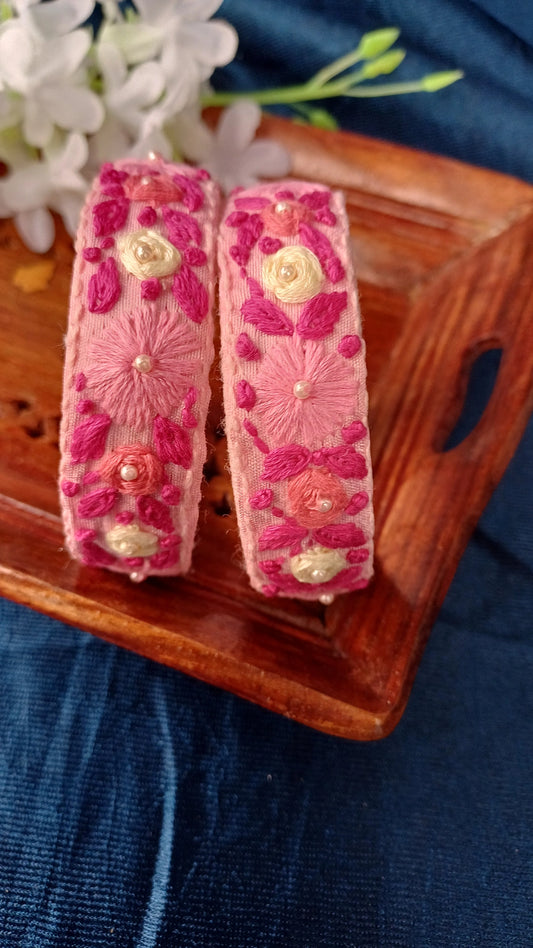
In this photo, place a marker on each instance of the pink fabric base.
(113, 415)
(287, 453)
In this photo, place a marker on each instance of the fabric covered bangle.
(138, 350)
(294, 391)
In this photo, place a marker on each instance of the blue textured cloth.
(142, 809)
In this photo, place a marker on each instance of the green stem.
(287, 95)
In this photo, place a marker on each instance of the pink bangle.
(294, 391)
(138, 350)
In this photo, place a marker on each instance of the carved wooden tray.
(444, 263)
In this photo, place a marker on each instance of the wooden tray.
(443, 259)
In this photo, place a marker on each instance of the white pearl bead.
(143, 253)
(325, 506)
(142, 363)
(136, 577)
(153, 156)
(326, 599)
(319, 575)
(281, 207)
(146, 179)
(129, 472)
(287, 272)
(125, 547)
(302, 389)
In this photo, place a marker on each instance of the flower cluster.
(71, 100)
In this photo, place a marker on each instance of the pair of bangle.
(136, 389)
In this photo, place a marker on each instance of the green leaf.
(320, 118)
(439, 80)
(377, 42)
(383, 65)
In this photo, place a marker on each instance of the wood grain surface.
(442, 255)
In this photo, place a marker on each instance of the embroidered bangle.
(138, 350)
(294, 391)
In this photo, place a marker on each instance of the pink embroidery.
(150, 289)
(69, 488)
(320, 314)
(111, 175)
(271, 567)
(195, 257)
(132, 396)
(267, 317)
(109, 216)
(322, 248)
(244, 395)
(291, 459)
(357, 556)
(261, 499)
(202, 175)
(279, 535)
(254, 286)
(269, 245)
(171, 495)
(97, 503)
(84, 406)
(107, 242)
(347, 579)
(80, 382)
(172, 442)
(236, 218)
(89, 438)
(250, 231)
(337, 535)
(284, 223)
(133, 561)
(104, 287)
(187, 418)
(93, 555)
(84, 534)
(142, 468)
(147, 217)
(349, 346)
(284, 195)
(356, 503)
(90, 477)
(252, 431)
(277, 512)
(182, 229)
(154, 513)
(193, 196)
(251, 203)
(246, 349)
(285, 462)
(154, 187)
(125, 517)
(316, 497)
(355, 431)
(165, 559)
(91, 254)
(344, 461)
(190, 294)
(303, 394)
(315, 199)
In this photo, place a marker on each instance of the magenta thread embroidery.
(267, 317)
(89, 438)
(154, 513)
(110, 216)
(190, 294)
(97, 503)
(320, 315)
(104, 287)
(172, 442)
(246, 349)
(349, 346)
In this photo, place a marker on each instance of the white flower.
(47, 74)
(188, 47)
(54, 182)
(231, 155)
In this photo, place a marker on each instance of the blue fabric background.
(141, 808)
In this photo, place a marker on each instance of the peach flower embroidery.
(316, 497)
(132, 469)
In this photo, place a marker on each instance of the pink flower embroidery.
(316, 497)
(142, 365)
(132, 469)
(303, 394)
(284, 217)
